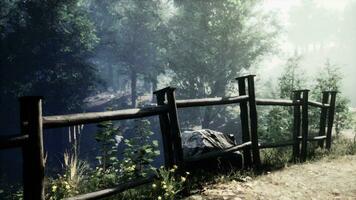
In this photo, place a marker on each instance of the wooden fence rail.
(32, 124)
(96, 117)
(13, 141)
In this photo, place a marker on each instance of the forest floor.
(323, 179)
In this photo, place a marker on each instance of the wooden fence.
(33, 123)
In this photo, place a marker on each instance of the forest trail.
(324, 179)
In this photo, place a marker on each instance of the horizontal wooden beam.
(96, 117)
(318, 104)
(276, 102)
(282, 144)
(316, 138)
(214, 154)
(13, 141)
(210, 101)
(112, 191)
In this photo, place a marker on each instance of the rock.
(198, 142)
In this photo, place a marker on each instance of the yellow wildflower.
(183, 179)
(54, 188)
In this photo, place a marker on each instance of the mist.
(317, 31)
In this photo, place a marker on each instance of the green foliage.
(276, 157)
(291, 78)
(99, 178)
(70, 182)
(132, 33)
(61, 187)
(210, 43)
(56, 38)
(276, 123)
(330, 79)
(136, 163)
(340, 146)
(169, 184)
(139, 153)
(10, 192)
(108, 145)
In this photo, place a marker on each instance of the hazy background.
(317, 30)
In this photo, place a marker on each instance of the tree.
(291, 78)
(277, 123)
(132, 35)
(43, 51)
(330, 79)
(211, 41)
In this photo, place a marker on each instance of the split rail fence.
(33, 123)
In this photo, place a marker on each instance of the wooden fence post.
(33, 152)
(174, 125)
(323, 114)
(330, 118)
(305, 125)
(165, 130)
(296, 126)
(244, 121)
(253, 121)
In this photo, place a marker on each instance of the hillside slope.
(324, 179)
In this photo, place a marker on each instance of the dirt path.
(324, 179)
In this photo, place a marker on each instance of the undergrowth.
(171, 183)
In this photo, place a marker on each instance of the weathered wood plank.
(275, 145)
(13, 141)
(33, 151)
(276, 102)
(175, 129)
(305, 125)
(318, 104)
(253, 122)
(245, 129)
(165, 131)
(210, 101)
(316, 138)
(96, 117)
(214, 154)
(323, 115)
(112, 191)
(296, 126)
(331, 116)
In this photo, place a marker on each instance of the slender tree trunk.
(111, 77)
(154, 88)
(133, 88)
(207, 118)
(218, 89)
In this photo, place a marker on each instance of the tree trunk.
(133, 88)
(218, 89)
(207, 118)
(111, 77)
(154, 88)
